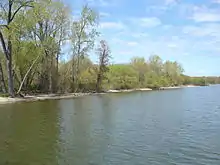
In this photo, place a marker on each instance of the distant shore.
(128, 90)
(149, 89)
(177, 87)
(32, 98)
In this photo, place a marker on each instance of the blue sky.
(187, 31)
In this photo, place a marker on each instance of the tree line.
(32, 35)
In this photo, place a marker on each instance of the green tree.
(122, 77)
(9, 10)
(83, 37)
(47, 25)
(173, 71)
(155, 64)
(141, 68)
(87, 77)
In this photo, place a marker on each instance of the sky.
(187, 31)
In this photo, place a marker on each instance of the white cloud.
(117, 41)
(161, 8)
(104, 14)
(157, 8)
(103, 3)
(167, 27)
(132, 43)
(209, 37)
(150, 22)
(172, 45)
(203, 14)
(206, 17)
(123, 42)
(112, 25)
(98, 2)
(170, 2)
(216, 1)
(147, 22)
(205, 30)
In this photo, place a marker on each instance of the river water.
(179, 127)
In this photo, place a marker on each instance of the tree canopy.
(32, 35)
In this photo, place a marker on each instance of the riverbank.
(128, 90)
(32, 98)
(166, 88)
(178, 87)
(5, 100)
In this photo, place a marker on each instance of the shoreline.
(167, 88)
(42, 97)
(128, 90)
(179, 87)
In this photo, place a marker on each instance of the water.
(179, 127)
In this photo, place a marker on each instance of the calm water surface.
(179, 127)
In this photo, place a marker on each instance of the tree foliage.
(33, 34)
(83, 34)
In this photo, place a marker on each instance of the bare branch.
(3, 7)
(28, 71)
(36, 34)
(26, 4)
(4, 26)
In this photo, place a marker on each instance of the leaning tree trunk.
(25, 77)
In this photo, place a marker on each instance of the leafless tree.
(103, 52)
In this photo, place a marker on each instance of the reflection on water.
(160, 127)
(29, 133)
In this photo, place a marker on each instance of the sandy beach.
(129, 90)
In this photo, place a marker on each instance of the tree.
(155, 64)
(83, 37)
(103, 52)
(24, 78)
(87, 76)
(122, 76)
(173, 71)
(33, 34)
(48, 26)
(141, 67)
(10, 9)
